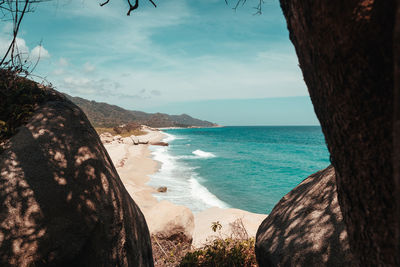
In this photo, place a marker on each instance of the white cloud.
(87, 67)
(155, 92)
(78, 85)
(125, 54)
(118, 35)
(202, 78)
(7, 27)
(21, 47)
(63, 62)
(39, 52)
(58, 71)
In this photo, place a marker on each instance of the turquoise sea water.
(248, 168)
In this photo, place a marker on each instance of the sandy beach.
(134, 165)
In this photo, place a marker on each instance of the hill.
(106, 115)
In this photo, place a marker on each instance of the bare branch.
(258, 7)
(151, 1)
(15, 60)
(17, 23)
(38, 59)
(105, 3)
(131, 7)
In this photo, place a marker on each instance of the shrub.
(237, 250)
(18, 99)
(222, 252)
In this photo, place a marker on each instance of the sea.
(243, 167)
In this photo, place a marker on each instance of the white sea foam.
(203, 154)
(182, 180)
(169, 138)
(201, 193)
(197, 154)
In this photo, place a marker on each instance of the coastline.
(135, 164)
(191, 127)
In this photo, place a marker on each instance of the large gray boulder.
(306, 227)
(62, 202)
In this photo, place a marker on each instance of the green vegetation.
(112, 131)
(104, 115)
(124, 130)
(18, 99)
(216, 226)
(236, 250)
(222, 252)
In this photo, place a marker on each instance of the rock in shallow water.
(62, 202)
(162, 189)
(159, 144)
(306, 227)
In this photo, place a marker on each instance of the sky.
(201, 58)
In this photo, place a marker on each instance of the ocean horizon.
(244, 167)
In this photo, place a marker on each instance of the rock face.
(306, 227)
(62, 202)
(349, 54)
(106, 138)
(171, 222)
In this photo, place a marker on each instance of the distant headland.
(103, 115)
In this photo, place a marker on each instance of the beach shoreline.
(135, 165)
(191, 127)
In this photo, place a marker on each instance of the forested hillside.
(106, 115)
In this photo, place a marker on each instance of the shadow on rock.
(306, 227)
(62, 201)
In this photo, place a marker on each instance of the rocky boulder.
(62, 202)
(159, 144)
(306, 227)
(106, 138)
(127, 141)
(162, 189)
(168, 221)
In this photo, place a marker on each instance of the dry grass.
(237, 250)
(168, 253)
(222, 253)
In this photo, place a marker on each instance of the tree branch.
(258, 7)
(151, 1)
(14, 59)
(105, 3)
(131, 7)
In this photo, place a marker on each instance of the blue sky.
(185, 56)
